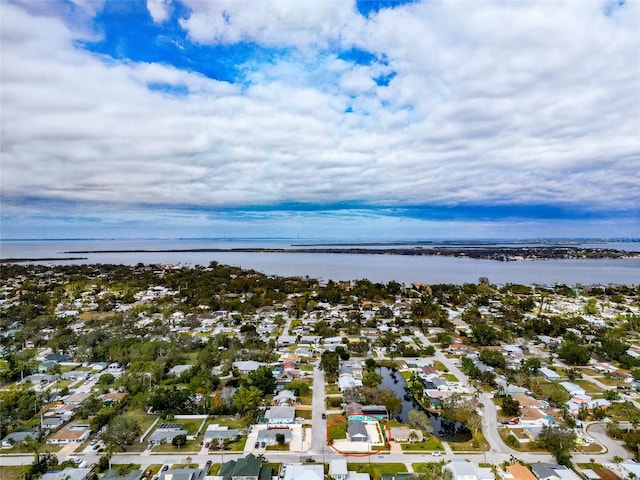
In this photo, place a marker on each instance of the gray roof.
(167, 434)
(545, 470)
(67, 474)
(184, 474)
(221, 434)
(20, 436)
(280, 413)
(264, 435)
(357, 428)
(114, 475)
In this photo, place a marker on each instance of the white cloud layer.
(502, 103)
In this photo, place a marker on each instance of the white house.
(573, 389)
(280, 415)
(549, 374)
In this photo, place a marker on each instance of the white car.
(436, 454)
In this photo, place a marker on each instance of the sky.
(320, 119)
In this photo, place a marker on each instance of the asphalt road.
(318, 424)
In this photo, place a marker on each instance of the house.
(549, 374)
(338, 469)
(284, 397)
(532, 417)
(403, 434)
(17, 437)
(248, 366)
(179, 370)
(302, 472)
(357, 431)
(346, 382)
(552, 471)
(375, 411)
(527, 401)
(184, 474)
(573, 389)
(463, 470)
(519, 472)
(67, 474)
(215, 433)
(115, 475)
(269, 436)
(280, 415)
(51, 423)
(165, 433)
(74, 433)
(247, 468)
(630, 469)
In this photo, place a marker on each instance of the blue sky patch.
(368, 7)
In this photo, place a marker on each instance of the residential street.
(319, 425)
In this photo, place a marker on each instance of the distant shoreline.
(488, 253)
(45, 259)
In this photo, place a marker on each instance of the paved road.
(319, 425)
(599, 432)
(489, 417)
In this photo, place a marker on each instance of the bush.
(512, 441)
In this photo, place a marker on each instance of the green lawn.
(338, 431)
(142, 418)
(430, 443)
(440, 366)
(331, 388)
(377, 469)
(11, 473)
(406, 374)
(190, 446)
(588, 386)
(449, 376)
(230, 421)
(215, 468)
(307, 367)
(306, 414)
(477, 444)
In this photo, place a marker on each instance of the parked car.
(436, 454)
(209, 462)
(165, 468)
(263, 444)
(257, 445)
(310, 460)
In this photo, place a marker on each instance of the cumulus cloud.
(505, 104)
(160, 10)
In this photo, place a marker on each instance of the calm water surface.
(377, 268)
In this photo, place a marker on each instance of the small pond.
(447, 430)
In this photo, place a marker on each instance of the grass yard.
(239, 445)
(621, 413)
(611, 381)
(377, 469)
(142, 418)
(449, 376)
(12, 473)
(230, 421)
(331, 388)
(306, 414)
(192, 446)
(275, 467)
(338, 431)
(214, 469)
(307, 367)
(430, 443)
(476, 444)
(406, 374)
(588, 386)
(440, 366)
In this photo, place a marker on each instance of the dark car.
(310, 460)
(263, 444)
(165, 468)
(209, 462)
(324, 415)
(257, 445)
